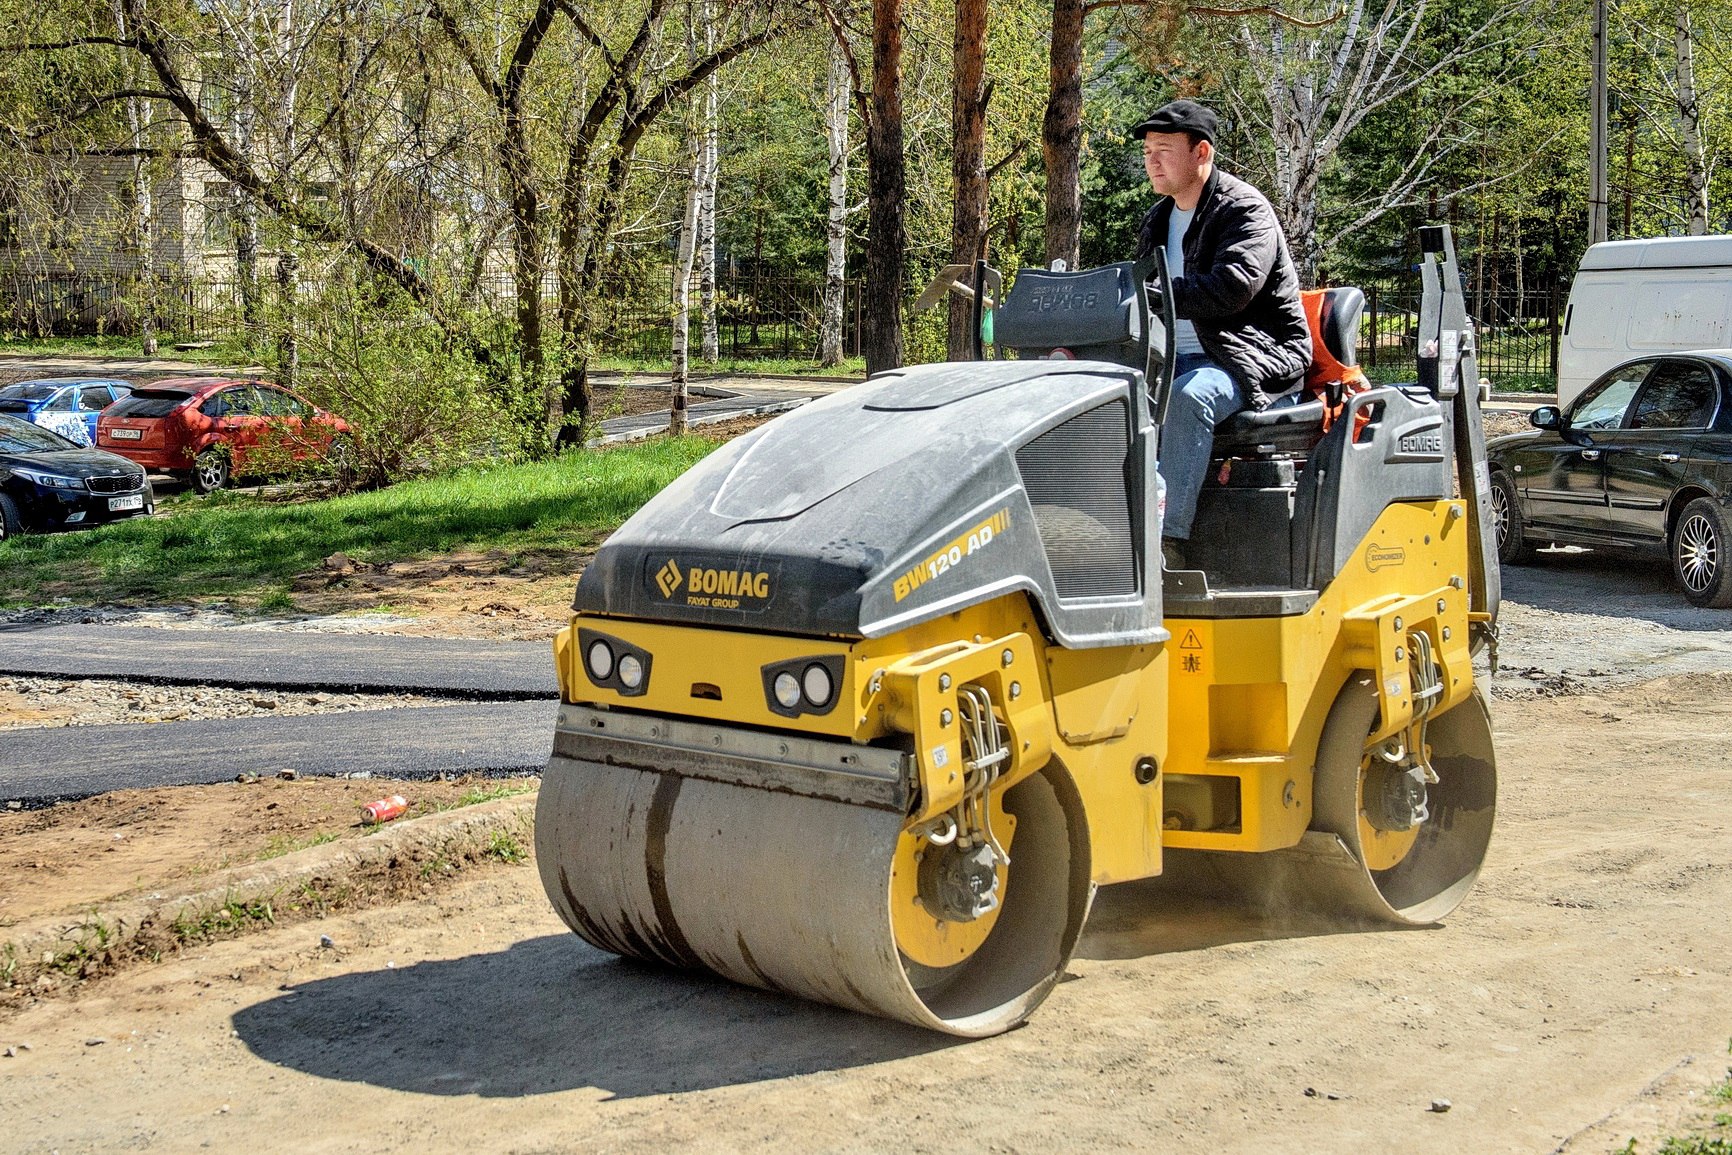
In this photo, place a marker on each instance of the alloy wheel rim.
(1698, 553)
(210, 472)
(1500, 513)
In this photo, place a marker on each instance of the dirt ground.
(1579, 998)
(73, 856)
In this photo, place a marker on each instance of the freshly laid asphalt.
(337, 663)
(510, 729)
(43, 765)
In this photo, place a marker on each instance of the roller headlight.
(600, 660)
(787, 688)
(630, 672)
(817, 684)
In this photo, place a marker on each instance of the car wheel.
(1699, 554)
(11, 525)
(210, 470)
(1513, 547)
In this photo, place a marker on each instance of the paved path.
(19, 366)
(239, 656)
(708, 412)
(44, 765)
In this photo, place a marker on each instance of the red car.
(216, 429)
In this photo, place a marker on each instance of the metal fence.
(756, 315)
(764, 316)
(1517, 334)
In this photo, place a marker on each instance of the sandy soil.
(1580, 997)
(73, 856)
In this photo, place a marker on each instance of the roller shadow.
(552, 1014)
(1162, 915)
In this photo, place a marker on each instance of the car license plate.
(125, 434)
(116, 504)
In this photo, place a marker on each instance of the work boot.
(1173, 553)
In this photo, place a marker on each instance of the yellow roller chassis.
(1252, 696)
(1137, 735)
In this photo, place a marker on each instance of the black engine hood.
(72, 463)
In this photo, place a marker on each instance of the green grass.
(249, 549)
(221, 353)
(281, 844)
(480, 794)
(506, 849)
(1697, 1143)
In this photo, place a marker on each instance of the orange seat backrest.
(1327, 374)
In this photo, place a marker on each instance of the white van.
(1636, 297)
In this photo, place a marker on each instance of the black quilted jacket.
(1240, 288)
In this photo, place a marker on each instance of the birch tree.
(836, 100)
(139, 117)
(710, 346)
(1687, 108)
(1305, 86)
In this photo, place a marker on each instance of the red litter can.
(384, 809)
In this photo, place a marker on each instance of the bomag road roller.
(865, 706)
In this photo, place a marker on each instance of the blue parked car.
(67, 405)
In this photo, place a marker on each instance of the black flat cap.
(1180, 116)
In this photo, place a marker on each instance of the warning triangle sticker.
(1190, 641)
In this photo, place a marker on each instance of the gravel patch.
(29, 703)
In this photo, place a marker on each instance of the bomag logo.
(1429, 441)
(668, 578)
(713, 587)
(1056, 299)
(1383, 556)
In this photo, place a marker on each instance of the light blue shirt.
(1184, 333)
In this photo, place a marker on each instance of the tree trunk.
(683, 283)
(969, 94)
(288, 346)
(836, 227)
(139, 115)
(245, 208)
(1061, 135)
(527, 270)
(1689, 114)
(710, 345)
(881, 339)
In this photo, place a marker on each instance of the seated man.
(1242, 340)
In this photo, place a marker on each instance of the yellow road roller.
(865, 706)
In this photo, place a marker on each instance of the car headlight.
(50, 480)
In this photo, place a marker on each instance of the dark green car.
(1639, 462)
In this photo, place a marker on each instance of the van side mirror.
(1546, 417)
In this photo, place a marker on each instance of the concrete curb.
(129, 927)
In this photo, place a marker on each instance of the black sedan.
(1640, 461)
(47, 482)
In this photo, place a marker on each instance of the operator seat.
(1294, 423)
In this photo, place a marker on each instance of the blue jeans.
(1204, 395)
